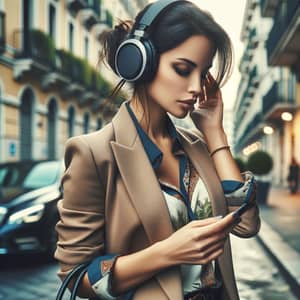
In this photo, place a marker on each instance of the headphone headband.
(154, 10)
(136, 57)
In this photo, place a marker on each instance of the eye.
(182, 71)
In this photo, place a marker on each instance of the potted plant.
(260, 163)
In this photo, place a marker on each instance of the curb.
(285, 256)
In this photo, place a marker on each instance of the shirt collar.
(153, 152)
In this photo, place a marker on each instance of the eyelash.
(185, 73)
(181, 72)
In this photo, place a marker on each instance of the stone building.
(267, 114)
(50, 85)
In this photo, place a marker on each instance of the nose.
(195, 85)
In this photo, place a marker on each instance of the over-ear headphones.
(136, 57)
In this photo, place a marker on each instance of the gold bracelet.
(218, 149)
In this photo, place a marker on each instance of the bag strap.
(77, 270)
(77, 282)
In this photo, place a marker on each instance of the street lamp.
(286, 116)
(268, 130)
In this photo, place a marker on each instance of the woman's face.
(180, 75)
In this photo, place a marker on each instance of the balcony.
(34, 53)
(279, 98)
(104, 24)
(268, 7)
(74, 6)
(2, 31)
(249, 51)
(251, 133)
(90, 14)
(283, 44)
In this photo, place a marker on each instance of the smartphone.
(246, 205)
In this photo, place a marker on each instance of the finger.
(205, 222)
(222, 225)
(213, 247)
(213, 242)
(211, 256)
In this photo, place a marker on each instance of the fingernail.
(218, 217)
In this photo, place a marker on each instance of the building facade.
(51, 87)
(267, 114)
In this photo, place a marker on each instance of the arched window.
(86, 123)
(52, 128)
(26, 124)
(71, 121)
(99, 123)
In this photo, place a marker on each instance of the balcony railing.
(2, 31)
(34, 44)
(75, 6)
(251, 131)
(36, 54)
(279, 98)
(249, 51)
(285, 13)
(91, 13)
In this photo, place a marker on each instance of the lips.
(188, 101)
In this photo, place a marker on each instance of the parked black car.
(29, 191)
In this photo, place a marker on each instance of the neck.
(153, 119)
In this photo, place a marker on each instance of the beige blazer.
(113, 203)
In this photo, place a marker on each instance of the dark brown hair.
(181, 21)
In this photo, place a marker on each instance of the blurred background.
(51, 88)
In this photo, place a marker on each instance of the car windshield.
(13, 174)
(42, 174)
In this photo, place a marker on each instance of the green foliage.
(240, 163)
(82, 72)
(42, 46)
(203, 210)
(260, 163)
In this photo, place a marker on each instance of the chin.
(179, 114)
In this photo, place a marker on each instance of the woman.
(150, 206)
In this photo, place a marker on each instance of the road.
(34, 278)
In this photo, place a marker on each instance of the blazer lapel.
(144, 190)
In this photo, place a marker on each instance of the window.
(86, 123)
(71, 37)
(86, 48)
(52, 21)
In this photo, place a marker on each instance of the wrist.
(216, 140)
(166, 254)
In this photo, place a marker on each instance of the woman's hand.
(198, 242)
(208, 115)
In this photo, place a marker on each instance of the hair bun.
(123, 28)
(111, 40)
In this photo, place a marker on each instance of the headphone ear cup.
(151, 61)
(130, 59)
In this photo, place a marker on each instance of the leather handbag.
(78, 273)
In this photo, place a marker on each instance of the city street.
(258, 278)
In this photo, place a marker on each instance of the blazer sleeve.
(235, 197)
(81, 225)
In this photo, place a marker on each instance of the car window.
(8, 176)
(42, 174)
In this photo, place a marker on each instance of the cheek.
(166, 83)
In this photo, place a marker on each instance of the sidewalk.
(280, 233)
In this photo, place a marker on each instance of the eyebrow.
(193, 64)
